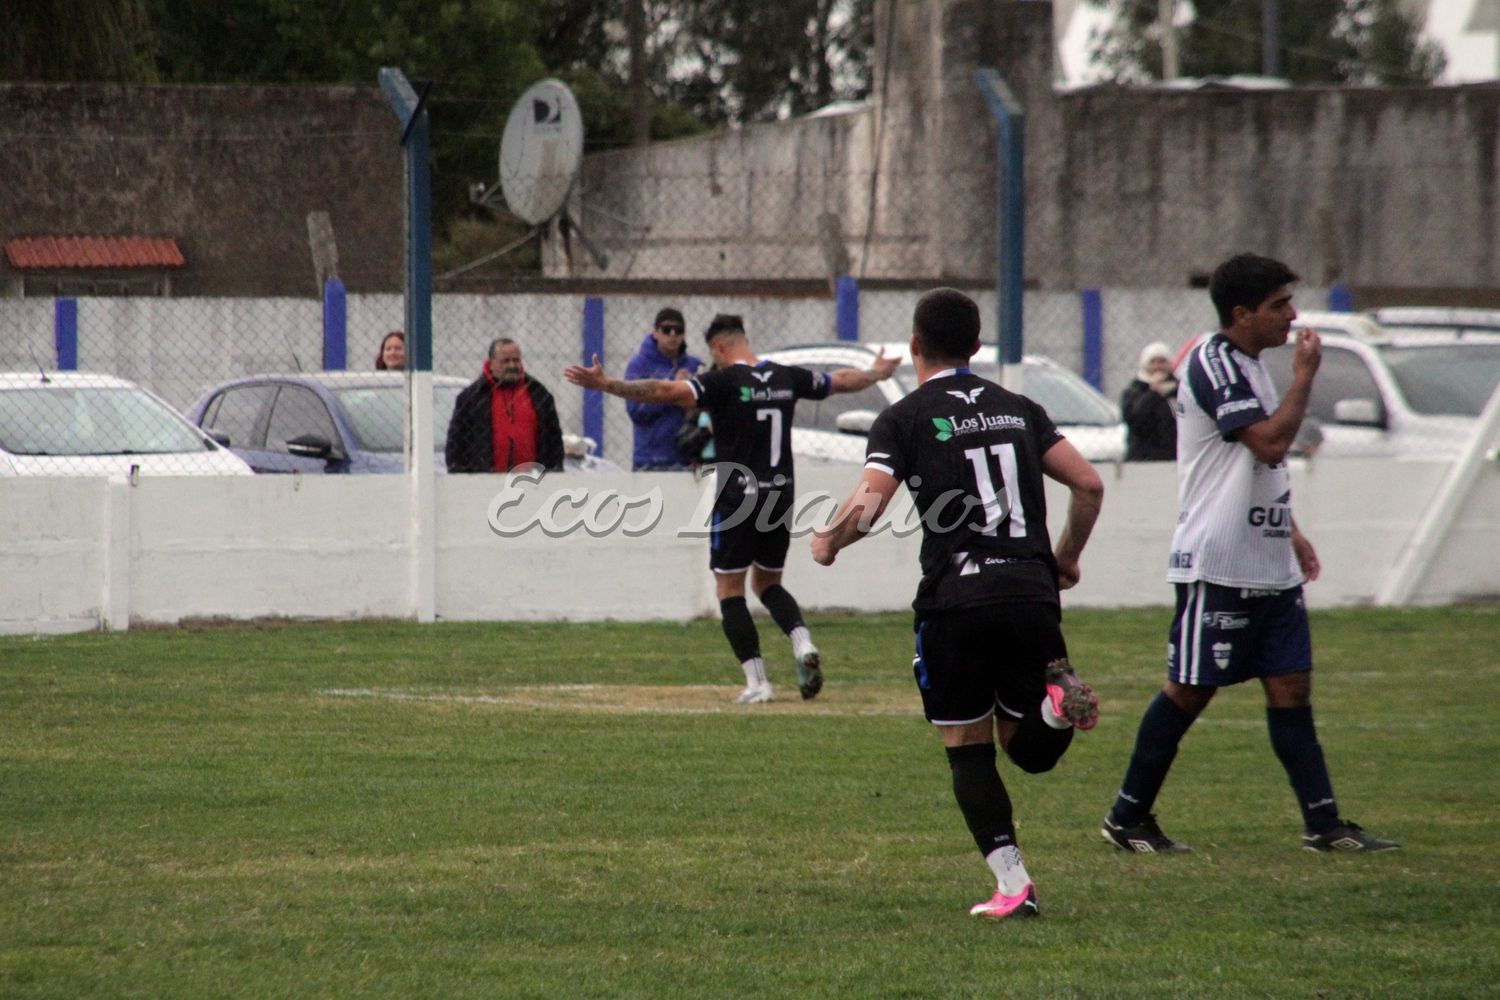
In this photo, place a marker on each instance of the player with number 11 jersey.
(970, 452)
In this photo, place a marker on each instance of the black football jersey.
(751, 408)
(971, 452)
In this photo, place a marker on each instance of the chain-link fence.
(285, 384)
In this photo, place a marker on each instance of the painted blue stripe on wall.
(593, 344)
(1093, 337)
(65, 333)
(335, 326)
(846, 302)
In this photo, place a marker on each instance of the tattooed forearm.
(638, 390)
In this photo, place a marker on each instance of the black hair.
(1247, 280)
(947, 325)
(723, 323)
(668, 315)
(497, 342)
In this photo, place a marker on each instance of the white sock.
(1051, 718)
(755, 672)
(1005, 862)
(801, 640)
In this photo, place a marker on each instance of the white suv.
(834, 429)
(1398, 396)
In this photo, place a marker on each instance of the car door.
(299, 413)
(1343, 375)
(237, 415)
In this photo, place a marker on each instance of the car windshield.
(1451, 379)
(1066, 397)
(92, 420)
(377, 415)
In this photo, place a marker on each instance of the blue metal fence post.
(846, 302)
(593, 345)
(1093, 337)
(411, 110)
(335, 326)
(1340, 299)
(65, 333)
(1010, 212)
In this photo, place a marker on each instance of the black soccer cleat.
(1346, 837)
(809, 674)
(1144, 837)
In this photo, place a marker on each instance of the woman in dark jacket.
(1148, 406)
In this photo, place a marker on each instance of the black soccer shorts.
(973, 662)
(749, 531)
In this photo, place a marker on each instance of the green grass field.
(388, 810)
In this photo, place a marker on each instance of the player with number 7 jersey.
(750, 403)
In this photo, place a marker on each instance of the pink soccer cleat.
(999, 906)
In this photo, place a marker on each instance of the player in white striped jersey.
(1238, 561)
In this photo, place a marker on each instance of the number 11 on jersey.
(1007, 502)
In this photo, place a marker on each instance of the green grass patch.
(546, 810)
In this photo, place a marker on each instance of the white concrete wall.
(80, 553)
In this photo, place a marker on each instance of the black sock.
(739, 628)
(1036, 747)
(783, 607)
(1295, 741)
(1162, 729)
(981, 796)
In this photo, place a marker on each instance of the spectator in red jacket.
(503, 419)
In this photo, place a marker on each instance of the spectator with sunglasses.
(663, 355)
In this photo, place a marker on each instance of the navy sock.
(1162, 729)
(739, 628)
(981, 796)
(1037, 747)
(1295, 741)
(783, 607)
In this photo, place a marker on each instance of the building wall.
(230, 172)
(1377, 188)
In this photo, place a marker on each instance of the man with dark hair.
(663, 354)
(1238, 561)
(503, 419)
(990, 657)
(751, 403)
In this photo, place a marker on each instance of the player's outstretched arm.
(872, 494)
(1063, 463)
(650, 390)
(855, 379)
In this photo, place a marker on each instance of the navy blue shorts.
(1226, 635)
(974, 662)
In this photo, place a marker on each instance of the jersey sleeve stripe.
(697, 389)
(879, 467)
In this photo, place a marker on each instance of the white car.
(1400, 396)
(80, 424)
(834, 429)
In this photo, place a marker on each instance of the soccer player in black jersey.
(990, 660)
(751, 403)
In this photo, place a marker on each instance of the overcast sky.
(1472, 56)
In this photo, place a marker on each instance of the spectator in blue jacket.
(663, 355)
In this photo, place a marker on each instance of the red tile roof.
(32, 253)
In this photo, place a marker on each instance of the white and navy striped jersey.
(1234, 513)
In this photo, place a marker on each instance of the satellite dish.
(541, 150)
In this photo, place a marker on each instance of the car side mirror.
(1358, 412)
(855, 422)
(219, 438)
(313, 446)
